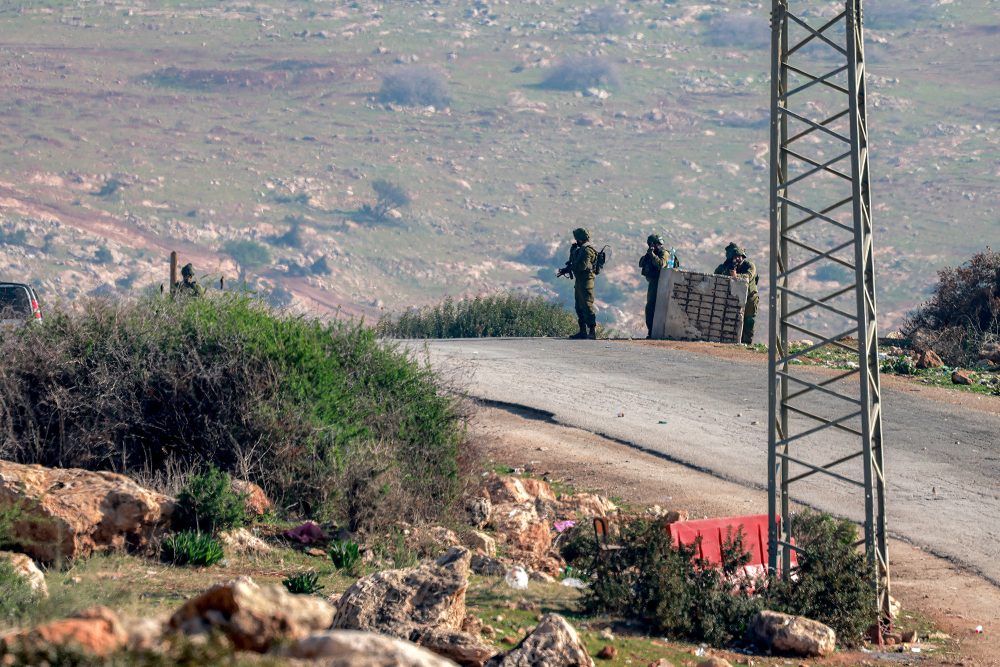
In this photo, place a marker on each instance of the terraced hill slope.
(134, 127)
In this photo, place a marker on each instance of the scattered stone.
(607, 653)
(145, 633)
(928, 359)
(478, 509)
(991, 353)
(662, 662)
(506, 490)
(587, 505)
(349, 648)
(242, 541)
(26, 569)
(96, 631)
(481, 543)
(487, 566)
(781, 633)
(423, 604)
(553, 643)
(714, 661)
(432, 540)
(253, 617)
(88, 512)
(961, 377)
(607, 635)
(255, 502)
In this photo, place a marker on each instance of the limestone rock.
(71, 513)
(487, 566)
(253, 617)
(795, 635)
(430, 595)
(255, 502)
(423, 604)
(479, 509)
(242, 541)
(961, 377)
(714, 661)
(586, 505)
(553, 643)
(145, 633)
(991, 353)
(432, 540)
(929, 359)
(351, 648)
(26, 568)
(481, 542)
(95, 631)
(504, 489)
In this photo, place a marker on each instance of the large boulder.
(25, 568)
(71, 513)
(586, 505)
(423, 604)
(527, 537)
(253, 617)
(928, 358)
(794, 635)
(350, 648)
(504, 489)
(255, 500)
(95, 631)
(553, 643)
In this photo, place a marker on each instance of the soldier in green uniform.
(581, 267)
(650, 264)
(738, 266)
(188, 285)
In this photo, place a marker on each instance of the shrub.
(292, 404)
(963, 312)
(505, 314)
(16, 595)
(344, 554)
(411, 86)
(900, 365)
(835, 584)
(191, 547)
(602, 21)
(248, 254)
(388, 196)
(292, 238)
(207, 502)
(303, 583)
(678, 594)
(582, 72)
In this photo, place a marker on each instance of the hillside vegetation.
(131, 129)
(328, 420)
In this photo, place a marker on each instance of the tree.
(248, 254)
(388, 196)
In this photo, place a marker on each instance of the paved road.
(942, 461)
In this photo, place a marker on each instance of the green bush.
(900, 365)
(418, 85)
(679, 595)
(303, 583)
(208, 503)
(835, 584)
(497, 315)
(16, 595)
(191, 547)
(304, 408)
(582, 72)
(344, 554)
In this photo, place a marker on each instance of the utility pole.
(823, 280)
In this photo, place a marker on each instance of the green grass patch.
(498, 315)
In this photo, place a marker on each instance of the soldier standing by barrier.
(738, 266)
(650, 264)
(582, 267)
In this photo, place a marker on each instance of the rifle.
(567, 270)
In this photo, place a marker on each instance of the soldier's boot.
(592, 332)
(581, 334)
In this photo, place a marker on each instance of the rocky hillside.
(135, 127)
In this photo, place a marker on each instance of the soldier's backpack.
(602, 258)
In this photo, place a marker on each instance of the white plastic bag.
(517, 578)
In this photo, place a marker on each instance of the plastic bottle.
(672, 262)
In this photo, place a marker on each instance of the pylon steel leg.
(822, 277)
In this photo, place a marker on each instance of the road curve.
(942, 461)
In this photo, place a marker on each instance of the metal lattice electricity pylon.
(825, 429)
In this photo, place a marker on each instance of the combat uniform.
(582, 259)
(650, 264)
(746, 271)
(188, 286)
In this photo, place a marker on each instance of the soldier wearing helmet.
(582, 268)
(738, 266)
(650, 264)
(188, 285)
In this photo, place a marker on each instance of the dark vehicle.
(18, 304)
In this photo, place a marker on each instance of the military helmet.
(654, 239)
(581, 234)
(733, 250)
(188, 271)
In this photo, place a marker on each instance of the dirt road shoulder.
(956, 601)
